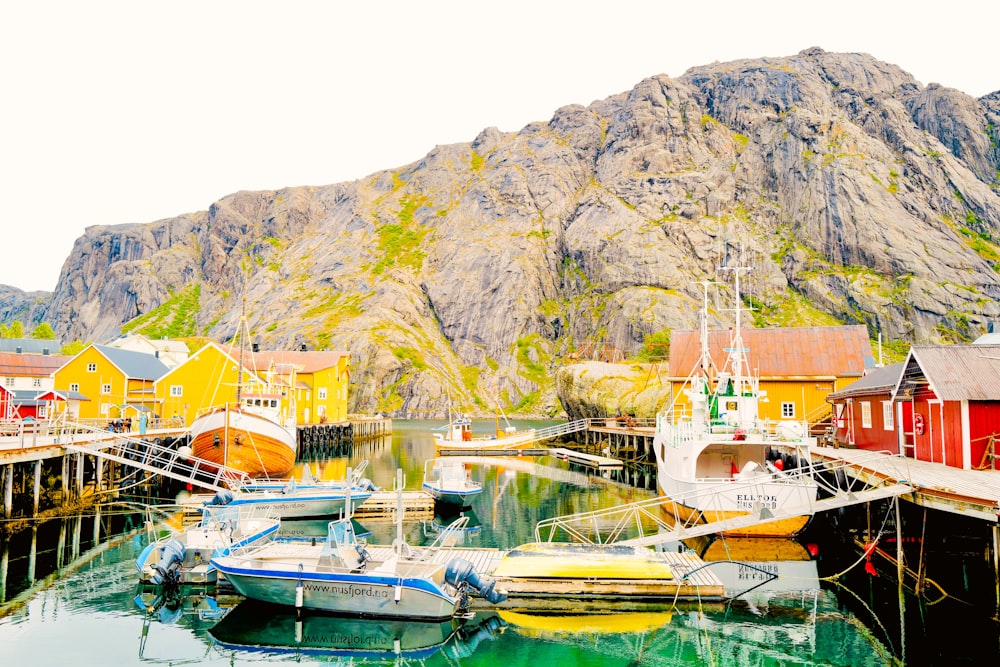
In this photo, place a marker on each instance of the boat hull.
(300, 504)
(366, 595)
(245, 441)
(458, 498)
(691, 477)
(686, 515)
(521, 440)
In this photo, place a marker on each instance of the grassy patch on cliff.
(794, 310)
(174, 318)
(399, 243)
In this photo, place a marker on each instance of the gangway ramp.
(661, 520)
(518, 441)
(157, 459)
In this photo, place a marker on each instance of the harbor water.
(69, 592)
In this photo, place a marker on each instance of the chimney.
(18, 349)
(256, 347)
(303, 348)
(45, 351)
(157, 353)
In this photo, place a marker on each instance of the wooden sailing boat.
(257, 434)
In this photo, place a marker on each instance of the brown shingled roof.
(840, 351)
(30, 365)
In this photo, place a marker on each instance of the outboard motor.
(222, 497)
(366, 484)
(172, 554)
(460, 571)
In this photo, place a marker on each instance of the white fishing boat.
(458, 434)
(184, 555)
(340, 576)
(716, 457)
(449, 481)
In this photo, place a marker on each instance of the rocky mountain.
(855, 194)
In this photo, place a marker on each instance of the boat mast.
(706, 357)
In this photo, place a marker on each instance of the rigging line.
(863, 556)
(871, 612)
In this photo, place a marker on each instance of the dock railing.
(667, 519)
(153, 457)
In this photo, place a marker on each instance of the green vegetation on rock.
(174, 318)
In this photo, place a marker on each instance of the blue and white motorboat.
(341, 576)
(184, 555)
(355, 479)
(448, 481)
(291, 499)
(293, 502)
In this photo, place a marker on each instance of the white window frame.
(320, 393)
(41, 412)
(36, 382)
(788, 410)
(887, 416)
(866, 414)
(92, 367)
(176, 390)
(10, 382)
(74, 386)
(106, 388)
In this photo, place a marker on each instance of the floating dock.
(691, 581)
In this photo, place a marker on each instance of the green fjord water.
(71, 596)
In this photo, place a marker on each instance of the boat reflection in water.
(464, 535)
(755, 569)
(170, 604)
(611, 621)
(260, 627)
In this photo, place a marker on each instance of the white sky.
(135, 111)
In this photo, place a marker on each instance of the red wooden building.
(7, 409)
(865, 416)
(954, 394)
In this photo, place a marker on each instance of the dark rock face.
(852, 191)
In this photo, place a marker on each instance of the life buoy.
(918, 424)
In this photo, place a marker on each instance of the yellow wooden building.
(798, 367)
(320, 379)
(206, 379)
(115, 383)
(313, 383)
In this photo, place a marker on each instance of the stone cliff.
(855, 193)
